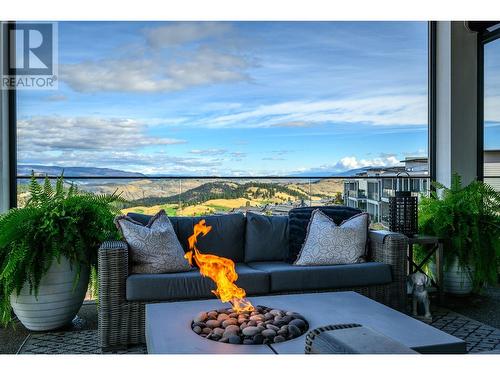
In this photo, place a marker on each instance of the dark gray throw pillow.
(266, 238)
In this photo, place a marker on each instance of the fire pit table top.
(168, 325)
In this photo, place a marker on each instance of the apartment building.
(371, 189)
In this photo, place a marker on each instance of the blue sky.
(492, 95)
(231, 98)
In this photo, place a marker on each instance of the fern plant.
(55, 222)
(468, 218)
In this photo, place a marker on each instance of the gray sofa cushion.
(266, 237)
(190, 285)
(226, 239)
(286, 277)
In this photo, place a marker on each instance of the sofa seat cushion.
(286, 277)
(190, 285)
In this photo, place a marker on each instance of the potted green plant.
(48, 248)
(468, 219)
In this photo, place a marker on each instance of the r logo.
(33, 44)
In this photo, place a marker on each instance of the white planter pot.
(57, 302)
(456, 279)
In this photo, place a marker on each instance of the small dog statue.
(417, 283)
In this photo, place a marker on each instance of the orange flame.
(220, 270)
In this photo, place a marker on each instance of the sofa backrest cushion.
(299, 220)
(266, 238)
(226, 239)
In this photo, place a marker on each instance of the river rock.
(213, 323)
(257, 317)
(243, 326)
(272, 326)
(218, 331)
(225, 340)
(279, 322)
(197, 329)
(297, 316)
(299, 323)
(206, 330)
(229, 322)
(283, 331)
(258, 339)
(276, 312)
(248, 341)
(234, 339)
(233, 315)
(279, 338)
(287, 318)
(199, 324)
(268, 316)
(201, 317)
(293, 331)
(250, 331)
(223, 316)
(252, 323)
(232, 328)
(269, 333)
(215, 337)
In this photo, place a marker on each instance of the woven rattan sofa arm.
(391, 248)
(112, 260)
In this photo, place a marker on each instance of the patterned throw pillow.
(327, 244)
(153, 248)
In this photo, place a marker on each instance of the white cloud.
(170, 64)
(377, 110)
(154, 74)
(56, 98)
(351, 162)
(210, 151)
(184, 32)
(492, 108)
(122, 144)
(54, 133)
(293, 124)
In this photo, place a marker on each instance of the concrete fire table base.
(168, 325)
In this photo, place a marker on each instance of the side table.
(433, 245)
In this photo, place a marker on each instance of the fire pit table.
(169, 325)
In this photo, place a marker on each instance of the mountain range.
(42, 170)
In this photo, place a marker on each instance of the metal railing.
(198, 195)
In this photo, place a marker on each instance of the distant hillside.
(316, 173)
(25, 170)
(224, 190)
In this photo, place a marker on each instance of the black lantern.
(403, 211)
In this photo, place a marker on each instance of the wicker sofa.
(260, 246)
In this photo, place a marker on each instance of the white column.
(4, 134)
(456, 102)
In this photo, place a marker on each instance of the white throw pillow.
(153, 248)
(327, 243)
